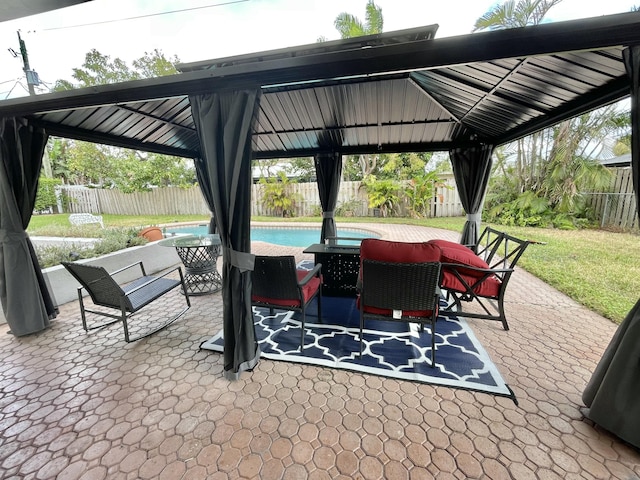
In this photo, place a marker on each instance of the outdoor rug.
(392, 349)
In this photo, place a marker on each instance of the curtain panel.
(613, 392)
(328, 175)
(471, 169)
(24, 295)
(225, 123)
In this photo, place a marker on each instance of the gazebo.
(393, 92)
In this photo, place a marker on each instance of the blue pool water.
(290, 237)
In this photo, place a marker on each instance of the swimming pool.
(290, 237)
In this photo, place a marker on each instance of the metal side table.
(199, 254)
(340, 267)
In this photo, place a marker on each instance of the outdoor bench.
(85, 219)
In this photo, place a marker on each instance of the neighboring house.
(620, 161)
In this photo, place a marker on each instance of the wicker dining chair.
(278, 284)
(404, 292)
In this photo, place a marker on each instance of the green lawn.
(598, 269)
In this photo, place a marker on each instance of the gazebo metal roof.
(393, 92)
(12, 9)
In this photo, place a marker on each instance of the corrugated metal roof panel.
(390, 93)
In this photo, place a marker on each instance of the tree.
(91, 164)
(88, 163)
(57, 149)
(512, 14)
(349, 25)
(302, 168)
(138, 171)
(538, 180)
(99, 69)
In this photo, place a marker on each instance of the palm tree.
(512, 14)
(349, 25)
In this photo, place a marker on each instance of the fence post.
(605, 211)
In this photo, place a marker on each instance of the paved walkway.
(76, 405)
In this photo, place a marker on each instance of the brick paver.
(77, 405)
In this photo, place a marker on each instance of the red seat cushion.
(387, 312)
(448, 244)
(307, 292)
(455, 253)
(400, 252)
(489, 287)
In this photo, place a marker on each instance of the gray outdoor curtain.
(613, 393)
(25, 298)
(328, 174)
(471, 169)
(203, 179)
(224, 122)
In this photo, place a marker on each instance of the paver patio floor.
(76, 405)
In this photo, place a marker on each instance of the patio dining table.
(199, 254)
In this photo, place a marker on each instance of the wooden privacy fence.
(352, 200)
(617, 208)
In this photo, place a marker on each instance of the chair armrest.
(312, 273)
(129, 266)
(464, 266)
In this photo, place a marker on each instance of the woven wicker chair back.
(101, 286)
(275, 277)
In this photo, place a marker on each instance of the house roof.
(393, 92)
(619, 161)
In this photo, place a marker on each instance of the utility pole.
(32, 76)
(33, 79)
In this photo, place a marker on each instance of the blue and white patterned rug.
(392, 349)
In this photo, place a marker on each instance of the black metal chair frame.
(400, 287)
(501, 252)
(129, 298)
(275, 277)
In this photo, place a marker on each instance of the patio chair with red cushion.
(278, 284)
(399, 282)
(479, 276)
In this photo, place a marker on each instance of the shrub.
(52, 255)
(383, 194)
(349, 208)
(113, 239)
(277, 195)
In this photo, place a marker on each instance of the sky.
(194, 30)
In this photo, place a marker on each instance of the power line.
(14, 86)
(7, 81)
(148, 15)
